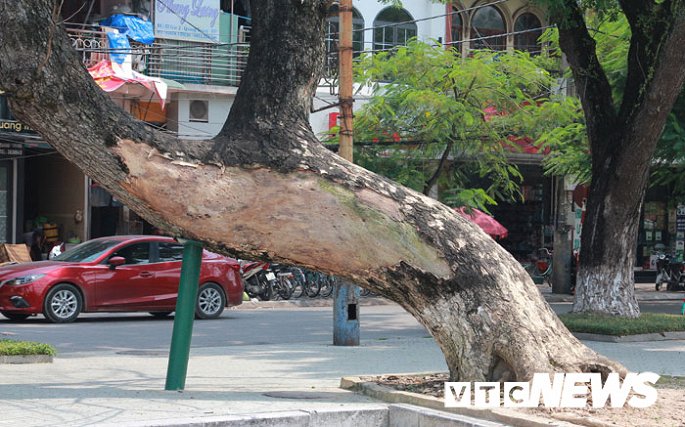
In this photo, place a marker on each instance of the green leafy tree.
(569, 149)
(450, 118)
(627, 99)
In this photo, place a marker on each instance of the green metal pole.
(183, 319)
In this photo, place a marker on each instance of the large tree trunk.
(605, 282)
(265, 187)
(622, 141)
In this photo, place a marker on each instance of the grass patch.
(669, 381)
(647, 323)
(25, 348)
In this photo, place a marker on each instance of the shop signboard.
(196, 20)
(11, 149)
(680, 232)
(578, 227)
(14, 126)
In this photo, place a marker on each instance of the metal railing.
(184, 61)
(200, 63)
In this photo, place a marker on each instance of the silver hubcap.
(210, 300)
(64, 304)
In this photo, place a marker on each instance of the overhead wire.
(429, 18)
(329, 36)
(146, 49)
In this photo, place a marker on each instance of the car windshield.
(86, 252)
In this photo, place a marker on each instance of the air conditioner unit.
(199, 111)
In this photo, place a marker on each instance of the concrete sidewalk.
(120, 389)
(244, 382)
(644, 292)
(222, 381)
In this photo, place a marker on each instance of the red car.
(118, 273)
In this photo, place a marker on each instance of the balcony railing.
(219, 64)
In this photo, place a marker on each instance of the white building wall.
(428, 29)
(218, 107)
(418, 9)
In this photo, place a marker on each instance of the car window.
(87, 252)
(138, 253)
(170, 252)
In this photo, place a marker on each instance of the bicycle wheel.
(285, 288)
(267, 289)
(327, 286)
(298, 289)
(312, 285)
(298, 283)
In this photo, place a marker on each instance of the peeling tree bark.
(265, 187)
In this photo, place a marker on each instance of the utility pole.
(346, 297)
(563, 242)
(345, 80)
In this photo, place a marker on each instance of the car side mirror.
(116, 261)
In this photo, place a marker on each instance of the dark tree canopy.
(622, 135)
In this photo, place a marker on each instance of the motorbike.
(266, 281)
(670, 272)
(257, 279)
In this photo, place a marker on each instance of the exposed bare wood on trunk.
(273, 190)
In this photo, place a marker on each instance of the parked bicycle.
(540, 268)
(281, 279)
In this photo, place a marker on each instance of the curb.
(659, 336)
(556, 298)
(389, 395)
(377, 416)
(35, 358)
(371, 301)
(306, 302)
(374, 416)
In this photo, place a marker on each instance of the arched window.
(528, 29)
(333, 30)
(456, 28)
(393, 27)
(333, 36)
(486, 23)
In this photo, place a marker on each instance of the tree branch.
(655, 72)
(635, 9)
(441, 165)
(592, 84)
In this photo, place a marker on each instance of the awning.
(111, 79)
(485, 222)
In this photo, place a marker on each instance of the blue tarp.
(134, 27)
(119, 47)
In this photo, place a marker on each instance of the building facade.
(185, 79)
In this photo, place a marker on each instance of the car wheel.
(62, 304)
(160, 314)
(15, 316)
(210, 301)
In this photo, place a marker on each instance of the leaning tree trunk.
(622, 141)
(265, 187)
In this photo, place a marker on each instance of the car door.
(167, 258)
(129, 286)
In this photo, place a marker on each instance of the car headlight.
(23, 280)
